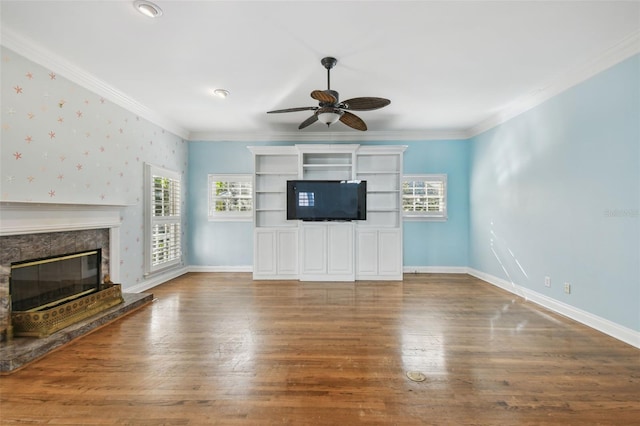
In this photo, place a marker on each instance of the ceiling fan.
(330, 109)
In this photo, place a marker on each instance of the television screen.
(322, 200)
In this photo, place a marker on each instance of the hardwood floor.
(219, 348)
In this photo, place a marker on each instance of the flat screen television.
(327, 200)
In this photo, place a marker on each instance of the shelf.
(278, 173)
(377, 172)
(271, 210)
(326, 166)
(270, 191)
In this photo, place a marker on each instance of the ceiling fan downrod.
(329, 62)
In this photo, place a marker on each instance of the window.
(424, 197)
(162, 224)
(230, 197)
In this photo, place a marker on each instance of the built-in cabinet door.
(390, 254)
(275, 254)
(340, 249)
(379, 254)
(287, 261)
(264, 253)
(327, 252)
(313, 249)
(367, 252)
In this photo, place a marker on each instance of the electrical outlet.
(547, 281)
(567, 288)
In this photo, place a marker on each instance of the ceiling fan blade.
(324, 96)
(365, 104)
(293, 109)
(353, 121)
(309, 121)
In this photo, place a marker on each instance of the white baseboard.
(242, 268)
(156, 280)
(435, 269)
(603, 325)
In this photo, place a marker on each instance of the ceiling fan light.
(147, 8)
(328, 117)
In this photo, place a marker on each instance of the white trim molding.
(157, 279)
(330, 136)
(434, 269)
(624, 49)
(603, 325)
(239, 268)
(36, 218)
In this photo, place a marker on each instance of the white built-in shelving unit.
(328, 251)
(270, 186)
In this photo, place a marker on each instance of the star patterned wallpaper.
(61, 143)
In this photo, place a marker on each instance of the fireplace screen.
(42, 283)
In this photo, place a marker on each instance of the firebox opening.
(43, 283)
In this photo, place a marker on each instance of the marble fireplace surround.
(28, 228)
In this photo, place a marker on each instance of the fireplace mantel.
(31, 218)
(19, 218)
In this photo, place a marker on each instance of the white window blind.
(230, 197)
(163, 231)
(424, 197)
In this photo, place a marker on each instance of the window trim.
(229, 216)
(426, 216)
(150, 220)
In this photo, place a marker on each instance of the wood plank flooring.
(217, 348)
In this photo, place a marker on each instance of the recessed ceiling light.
(221, 93)
(147, 8)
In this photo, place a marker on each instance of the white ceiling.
(448, 67)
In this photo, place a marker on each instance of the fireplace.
(36, 231)
(37, 284)
(52, 293)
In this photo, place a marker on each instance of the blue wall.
(425, 243)
(553, 192)
(216, 243)
(440, 244)
(556, 192)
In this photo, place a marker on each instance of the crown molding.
(624, 49)
(83, 78)
(329, 136)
